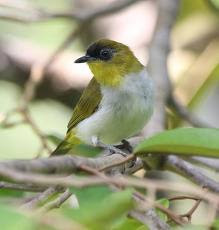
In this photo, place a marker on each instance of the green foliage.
(190, 227)
(87, 150)
(189, 8)
(100, 208)
(164, 202)
(12, 219)
(215, 225)
(186, 141)
(129, 224)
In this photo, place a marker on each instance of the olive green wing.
(87, 104)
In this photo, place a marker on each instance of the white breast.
(122, 113)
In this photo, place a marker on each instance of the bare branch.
(63, 164)
(28, 119)
(192, 210)
(150, 219)
(57, 202)
(22, 187)
(73, 181)
(40, 198)
(186, 169)
(210, 163)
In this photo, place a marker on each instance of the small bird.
(117, 102)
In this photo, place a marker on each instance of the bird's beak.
(83, 59)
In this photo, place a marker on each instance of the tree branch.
(188, 170)
(210, 163)
(22, 187)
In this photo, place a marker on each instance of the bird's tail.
(67, 145)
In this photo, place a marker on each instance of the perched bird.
(116, 104)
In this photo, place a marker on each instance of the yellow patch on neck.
(111, 73)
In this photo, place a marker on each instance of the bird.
(116, 104)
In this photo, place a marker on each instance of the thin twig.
(136, 195)
(189, 214)
(69, 164)
(40, 198)
(128, 158)
(22, 187)
(183, 198)
(49, 180)
(184, 168)
(209, 163)
(28, 119)
(57, 202)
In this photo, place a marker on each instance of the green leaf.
(101, 212)
(110, 210)
(12, 220)
(87, 150)
(129, 224)
(164, 202)
(190, 227)
(183, 141)
(215, 225)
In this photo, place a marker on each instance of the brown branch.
(63, 164)
(121, 181)
(209, 163)
(28, 119)
(144, 217)
(73, 181)
(57, 202)
(150, 219)
(126, 159)
(69, 164)
(22, 187)
(183, 198)
(189, 214)
(40, 198)
(189, 171)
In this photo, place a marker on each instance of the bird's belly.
(116, 121)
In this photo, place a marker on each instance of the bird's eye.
(105, 54)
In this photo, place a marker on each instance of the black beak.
(83, 59)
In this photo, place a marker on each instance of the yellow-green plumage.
(87, 104)
(85, 107)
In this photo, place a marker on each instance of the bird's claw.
(125, 146)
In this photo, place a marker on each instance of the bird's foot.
(118, 149)
(112, 149)
(125, 146)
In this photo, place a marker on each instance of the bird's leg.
(128, 148)
(125, 146)
(112, 149)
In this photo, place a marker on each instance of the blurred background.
(29, 35)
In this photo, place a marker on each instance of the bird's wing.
(87, 104)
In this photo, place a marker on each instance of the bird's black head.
(102, 50)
